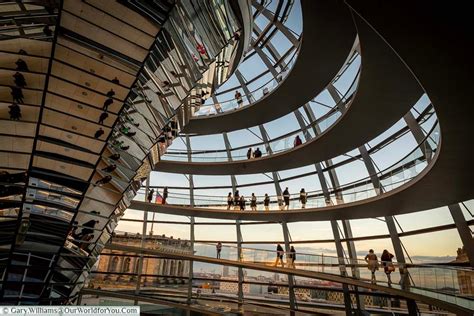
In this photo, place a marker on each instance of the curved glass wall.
(277, 28)
(283, 131)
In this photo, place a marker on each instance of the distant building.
(121, 268)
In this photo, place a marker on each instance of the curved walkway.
(387, 90)
(408, 293)
(328, 36)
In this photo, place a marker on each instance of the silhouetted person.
(104, 180)
(110, 168)
(103, 117)
(17, 94)
(303, 198)
(372, 264)
(229, 200)
(279, 258)
(297, 141)
(266, 202)
(47, 31)
(99, 133)
(111, 93)
(218, 250)
(238, 98)
(388, 266)
(15, 112)
(21, 65)
(242, 203)
(107, 102)
(165, 195)
(286, 198)
(236, 199)
(249, 153)
(257, 153)
(19, 80)
(149, 197)
(253, 202)
(116, 80)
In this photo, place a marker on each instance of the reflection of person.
(15, 112)
(88, 228)
(279, 257)
(372, 264)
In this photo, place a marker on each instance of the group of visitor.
(373, 264)
(258, 154)
(159, 199)
(239, 201)
(254, 153)
(290, 257)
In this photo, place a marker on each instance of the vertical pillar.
(342, 266)
(142, 243)
(464, 231)
(191, 225)
(191, 266)
(240, 272)
(291, 278)
(240, 292)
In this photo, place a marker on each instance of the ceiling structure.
(94, 96)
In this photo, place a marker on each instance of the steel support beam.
(417, 132)
(142, 242)
(240, 272)
(342, 266)
(389, 220)
(291, 278)
(464, 231)
(191, 224)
